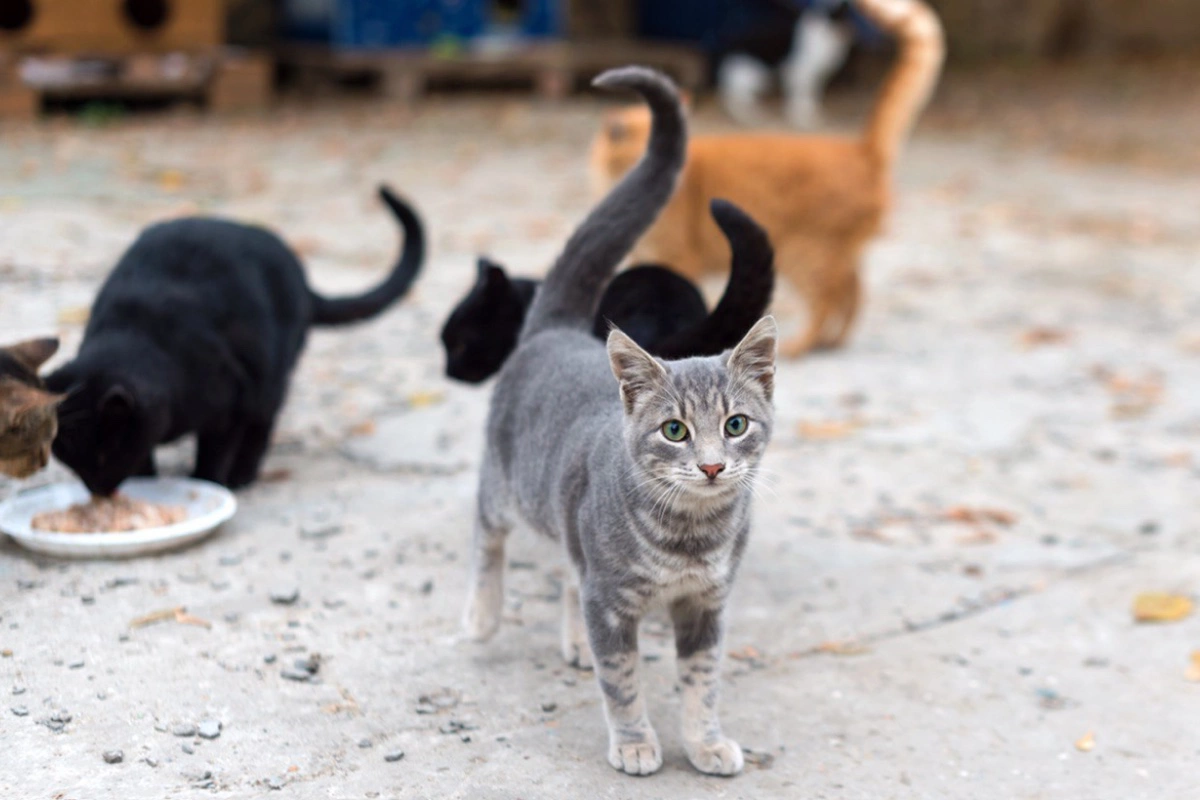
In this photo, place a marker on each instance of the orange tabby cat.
(28, 413)
(821, 198)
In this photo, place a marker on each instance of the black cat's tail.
(747, 295)
(344, 310)
(571, 292)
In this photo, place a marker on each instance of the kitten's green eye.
(736, 425)
(675, 430)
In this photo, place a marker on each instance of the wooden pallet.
(552, 69)
(222, 80)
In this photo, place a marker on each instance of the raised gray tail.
(344, 310)
(571, 292)
(747, 295)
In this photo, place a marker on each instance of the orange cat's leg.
(805, 265)
(849, 301)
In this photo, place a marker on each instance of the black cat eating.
(197, 330)
(661, 310)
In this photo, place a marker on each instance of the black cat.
(661, 310)
(197, 330)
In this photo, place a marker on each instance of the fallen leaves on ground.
(1193, 670)
(969, 515)
(828, 430)
(365, 428)
(425, 399)
(178, 614)
(844, 648)
(1086, 743)
(171, 180)
(1132, 396)
(747, 653)
(1041, 335)
(1161, 607)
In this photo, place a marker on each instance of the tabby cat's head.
(698, 426)
(28, 418)
(482, 330)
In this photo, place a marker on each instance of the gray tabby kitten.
(646, 479)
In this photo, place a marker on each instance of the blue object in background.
(399, 23)
(709, 23)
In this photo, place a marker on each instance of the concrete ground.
(937, 598)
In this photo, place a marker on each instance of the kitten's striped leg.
(632, 743)
(698, 656)
(575, 648)
(485, 603)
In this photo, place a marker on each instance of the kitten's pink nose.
(712, 470)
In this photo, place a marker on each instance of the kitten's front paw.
(481, 619)
(637, 758)
(723, 757)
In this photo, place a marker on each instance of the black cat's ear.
(33, 353)
(117, 403)
(495, 279)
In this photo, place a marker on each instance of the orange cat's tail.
(912, 79)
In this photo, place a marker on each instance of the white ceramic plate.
(208, 506)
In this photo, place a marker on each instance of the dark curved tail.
(747, 295)
(571, 292)
(343, 310)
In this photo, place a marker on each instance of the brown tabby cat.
(821, 198)
(28, 418)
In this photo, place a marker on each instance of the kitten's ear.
(117, 403)
(753, 360)
(33, 353)
(636, 371)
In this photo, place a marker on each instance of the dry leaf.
(831, 429)
(74, 315)
(364, 428)
(155, 616)
(425, 399)
(747, 653)
(1193, 670)
(171, 180)
(976, 516)
(1161, 607)
(1086, 743)
(846, 648)
(1041, 335)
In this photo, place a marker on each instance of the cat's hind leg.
(698, 630)
(575, 648)
(633, 745)
(253, 448)
(485, 599)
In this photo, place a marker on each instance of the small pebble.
(209, 729)
(87, 600)
(153, 762)
(20, 711)
(275, 783)
(186, 729)
(269, 658)
(113, 757)
(549, 707)
(311, 665)
(302, 676)
(285, 597)
(75, 665)
(393, 755)
(18, 690)
(231, 616)
(187, 748)
(364, 743)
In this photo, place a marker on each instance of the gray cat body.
(642, 468)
